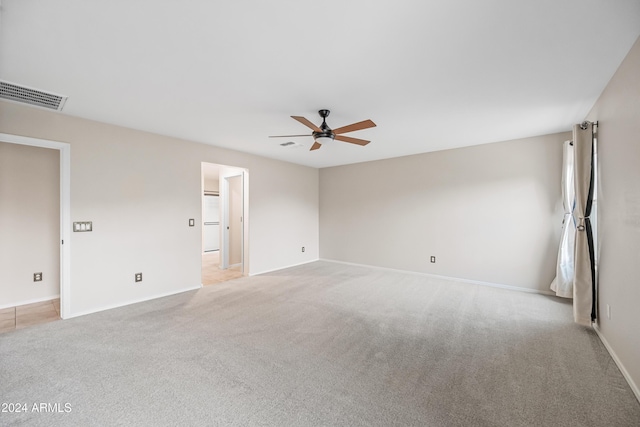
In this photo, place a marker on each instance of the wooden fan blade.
(365, 124)
(307, 123)
(315, 146)
(288, 136)
(351, 140)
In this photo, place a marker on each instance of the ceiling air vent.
(27, 95)
(290, 144)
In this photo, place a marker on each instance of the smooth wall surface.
(211, 184)
(140, 189)
(618, 114)
(29, 224)
(489, 213)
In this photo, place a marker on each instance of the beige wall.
(29, 224)
(211, 183)
(489, 213)
(140, 189)
(618, 114)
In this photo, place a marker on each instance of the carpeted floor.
(320, 344)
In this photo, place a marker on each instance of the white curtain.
(562, 285)
(584, 291)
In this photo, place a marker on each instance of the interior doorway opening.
(63, 306)
(224, 223)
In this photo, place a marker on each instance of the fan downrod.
(326, 130)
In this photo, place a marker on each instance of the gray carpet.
(320, 344)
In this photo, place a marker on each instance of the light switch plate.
(82, 226)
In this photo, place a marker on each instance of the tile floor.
(211, 272)
(29, 314)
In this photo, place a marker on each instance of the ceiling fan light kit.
(322, 138)
(324, 134)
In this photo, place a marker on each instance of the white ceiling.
(431, 74)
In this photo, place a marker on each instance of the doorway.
(224, 225)
(65, 209)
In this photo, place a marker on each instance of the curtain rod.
(585, 124)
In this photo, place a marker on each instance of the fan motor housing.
(324, 134)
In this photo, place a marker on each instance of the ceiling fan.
(324, 133)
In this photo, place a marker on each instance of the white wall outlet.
(192, 222)
(608, 312)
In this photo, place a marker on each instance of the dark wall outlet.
(433, 259)
(303, 249)
(138, 277)
(37, 277)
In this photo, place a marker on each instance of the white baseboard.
(135, 301)
(455, 279)
(282, 268)
(30, 301)
(614, 356)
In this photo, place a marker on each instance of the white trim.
(634, 387)
(134, 301)
(282, 268)
(30, 301)
(65, 211)
(456, 279)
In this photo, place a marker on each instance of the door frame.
(65, 211)
(225, 170)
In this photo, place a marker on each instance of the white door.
(234, 211)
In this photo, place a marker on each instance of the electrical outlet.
(433, 259)
(192, 222)
(608, 312)
(37, 277)
(138, 277)
(303, 249)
